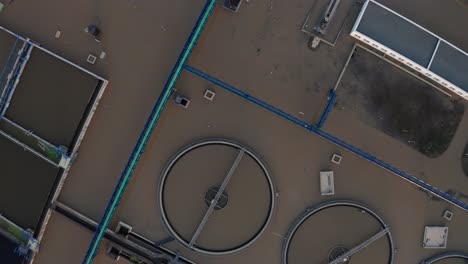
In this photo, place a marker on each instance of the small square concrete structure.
(91, 59)
(336, 159)
(327, 183)
(182, 101)
(447, 214)
(232, 5)
(435, 237)
(209, 94)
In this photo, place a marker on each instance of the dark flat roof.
(415, 43)
(452, 65)
(398, 34)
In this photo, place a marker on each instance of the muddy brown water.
(7, 252)
(51, 98)
(26, 183)
(7, 44)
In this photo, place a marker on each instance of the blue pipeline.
(327, 110)
(335, 140)
(248, 97)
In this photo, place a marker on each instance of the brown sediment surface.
(402, 106)
(336, 226)
(248, 193)
(51, 98)
(26, 183)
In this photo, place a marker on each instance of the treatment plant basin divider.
(148, 129)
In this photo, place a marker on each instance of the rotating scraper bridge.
(166, 94)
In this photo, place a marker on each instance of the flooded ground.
(51, 98)
(142, 40)
(262, 51)
(295, 158)
(26, 183)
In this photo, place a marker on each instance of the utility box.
(232, 5)
(327, 183)
(435, 237)
(182, 101)
(336, 159)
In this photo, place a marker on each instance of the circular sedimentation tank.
(190, 184)
(328, 231)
